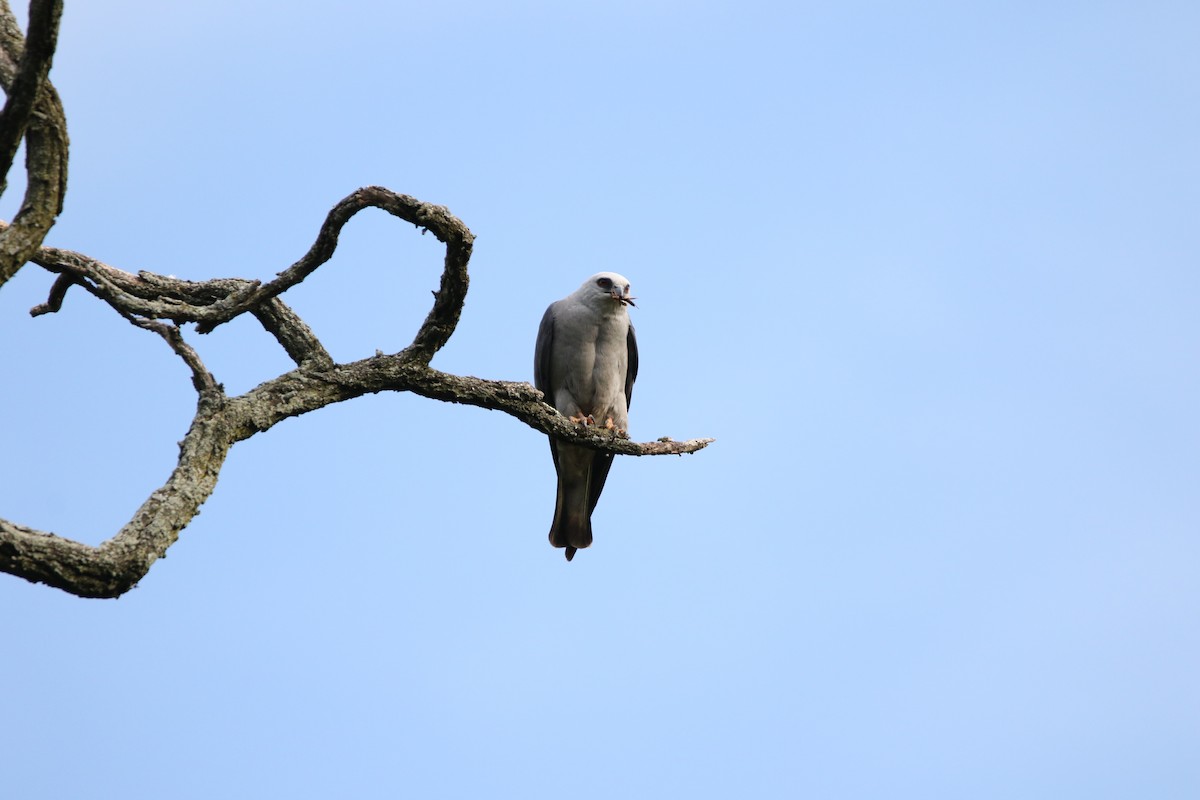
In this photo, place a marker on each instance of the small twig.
(58, 293)
(202, 379)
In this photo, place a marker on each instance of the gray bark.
(161, 304)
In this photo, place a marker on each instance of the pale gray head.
(607, 286)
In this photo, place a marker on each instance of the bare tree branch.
(292, 334)
(58, 293)
(153, 302)
(212, 303)
(34, 112)
(31, 72)
(450, 230)
(202, 379)
(118, 564)
(161, 304)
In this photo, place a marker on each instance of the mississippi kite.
(585, 362)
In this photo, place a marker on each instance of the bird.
(585, 362)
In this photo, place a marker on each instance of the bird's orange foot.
(611, 426)
(582, 420)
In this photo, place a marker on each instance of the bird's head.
(609, 285)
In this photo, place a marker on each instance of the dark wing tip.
(570, 551)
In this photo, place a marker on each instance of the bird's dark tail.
(577, 493)
(572, 527)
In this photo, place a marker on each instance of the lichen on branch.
(161, 305)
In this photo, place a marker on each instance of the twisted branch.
(160, 304)
(34, 58)
(34, 112)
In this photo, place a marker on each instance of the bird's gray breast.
(590, 360)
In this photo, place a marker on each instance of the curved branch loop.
(215, 302)
(449, 299)
(317, 381)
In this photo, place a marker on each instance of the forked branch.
(160, 304)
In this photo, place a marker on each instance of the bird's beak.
(620, 296)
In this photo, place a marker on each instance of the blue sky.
(928, 273)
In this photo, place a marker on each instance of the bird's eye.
(604, 283)
(627, 288)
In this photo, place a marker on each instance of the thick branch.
(301, 391)
(62, 563)
(33, 67)
(45, 131)
(118, 564)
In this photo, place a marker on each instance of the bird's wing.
(632, 368)
(542, 354)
